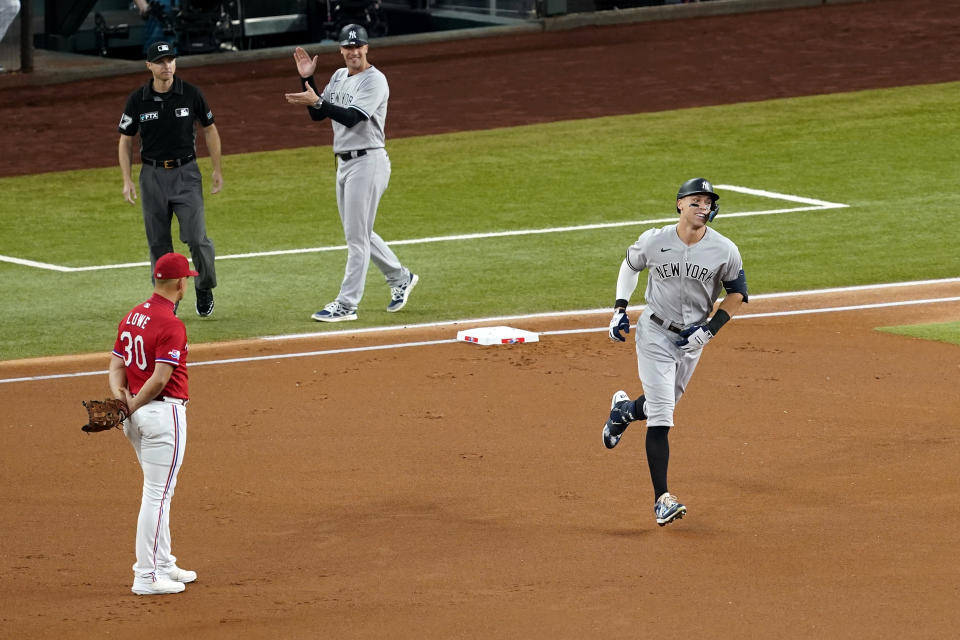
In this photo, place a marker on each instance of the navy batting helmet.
(696, 186)
(353, 35)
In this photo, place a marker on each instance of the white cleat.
(157, 587)
(182, 575)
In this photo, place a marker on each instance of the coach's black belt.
(169, 164)
(350, 155)
(666, 324)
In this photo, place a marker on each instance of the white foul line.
(815, 205)
(403, 345)
(581, 312)
(822, 204)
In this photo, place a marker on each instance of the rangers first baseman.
(687, 264)
(355, 100)
(149, 370)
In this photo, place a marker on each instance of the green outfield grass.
(885, 153)
(941, 332)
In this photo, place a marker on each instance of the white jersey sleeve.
(684, 281)
(368, 92)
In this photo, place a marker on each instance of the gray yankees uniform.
(683, 282)
(355, 100)
(688, 264)
(361, 181)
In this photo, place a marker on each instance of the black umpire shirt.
(165, 120)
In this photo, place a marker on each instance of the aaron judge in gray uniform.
(355, 100)
(687, 264)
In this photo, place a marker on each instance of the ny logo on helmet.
(353, 35)
(706, 186)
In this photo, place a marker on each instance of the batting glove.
(619, 322)
(694, 338)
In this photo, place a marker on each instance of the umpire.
(163, 111)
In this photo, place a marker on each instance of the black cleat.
(204, 302)
(617, 421)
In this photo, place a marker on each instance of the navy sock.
(638, 408)
(658, 456)
(635, 410)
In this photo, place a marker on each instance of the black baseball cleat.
(667, 509)
(204, 302)
(617, 422)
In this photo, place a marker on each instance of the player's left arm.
(736, 289)
(347, 116)
(697, 336)
(320, 109)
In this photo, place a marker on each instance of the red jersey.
(151, 333)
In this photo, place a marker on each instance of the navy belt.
(350, 155)
(172, 399)
(666, 324)
(169, 164)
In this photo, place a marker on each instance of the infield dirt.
(456, 491)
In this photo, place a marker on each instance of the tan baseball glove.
(105, 414)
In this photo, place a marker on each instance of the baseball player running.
(355, 100)
(687, 265)
(149, 371)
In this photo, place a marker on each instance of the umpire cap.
(353, 35)
(160, 50)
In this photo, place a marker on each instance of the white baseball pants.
(664, 369)
(158, 433)
(360, 185)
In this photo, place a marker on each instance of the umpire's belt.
(350, 155)
(169, 164)
(666, 324)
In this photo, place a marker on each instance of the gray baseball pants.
(179, 191)
(360, 184)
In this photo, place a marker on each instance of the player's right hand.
(305, 66)
(619, 322)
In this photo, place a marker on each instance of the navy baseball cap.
(172, 266)
(160, 50)
(353, 35)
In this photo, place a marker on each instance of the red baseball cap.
(172, 266)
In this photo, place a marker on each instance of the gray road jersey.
(367, 91)
(684, 282)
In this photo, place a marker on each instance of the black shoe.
(204, 302)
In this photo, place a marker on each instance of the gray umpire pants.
(178, 191)
(360, 184)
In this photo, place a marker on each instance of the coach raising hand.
(163, 111)
(355, 100)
